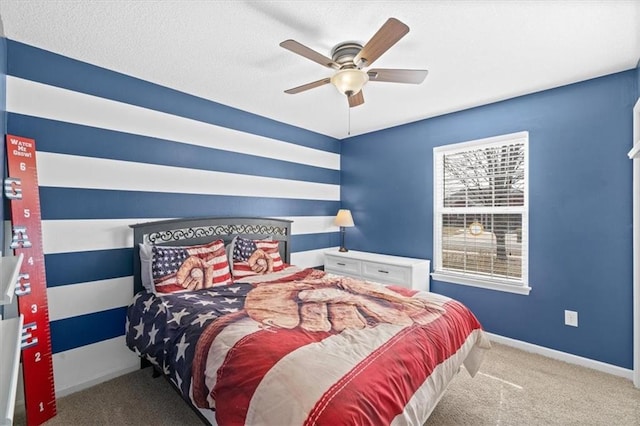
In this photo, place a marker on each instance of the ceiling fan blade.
(308, 86)
(388, 35)
(397, 75)
(308, 53)
(356, 99)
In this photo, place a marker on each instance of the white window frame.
(494, 283)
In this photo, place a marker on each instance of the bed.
(247, 338)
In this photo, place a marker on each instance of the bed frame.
(202, 230)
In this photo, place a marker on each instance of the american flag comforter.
(307, 348)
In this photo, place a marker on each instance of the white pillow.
(146, 255)
(229, 250)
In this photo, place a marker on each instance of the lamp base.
(342, 247)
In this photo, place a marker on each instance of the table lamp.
(343, 220)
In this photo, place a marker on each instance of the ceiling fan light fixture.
(349, 81)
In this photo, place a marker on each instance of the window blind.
(480, 208)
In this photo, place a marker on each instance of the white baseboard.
(563, 356)
(96, 381)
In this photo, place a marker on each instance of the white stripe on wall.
(63, 236)
(309, 258)
(72, 171)
(311, 224)
(40, 100)
(66, 236)
(72, 300)
(86, 366)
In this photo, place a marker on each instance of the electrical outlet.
(571, 318)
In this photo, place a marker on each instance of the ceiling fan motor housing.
(344, 54)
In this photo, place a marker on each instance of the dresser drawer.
(407, 272)
(342, 266)
(386, 274)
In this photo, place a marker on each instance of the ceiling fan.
(350, 58)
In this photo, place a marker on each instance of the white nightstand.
(404, 271)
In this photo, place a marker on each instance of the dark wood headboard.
(202, 230)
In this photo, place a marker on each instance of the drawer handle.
(341, 264)
(383, 272)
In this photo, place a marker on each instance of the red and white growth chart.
(21, 188)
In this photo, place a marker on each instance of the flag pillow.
(178, 269)
(255, 257)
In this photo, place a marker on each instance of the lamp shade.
(344, 218)
(349, 81)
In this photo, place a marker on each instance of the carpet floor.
(512, 388)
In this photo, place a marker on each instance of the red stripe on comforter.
(379, 388)
(247, 363)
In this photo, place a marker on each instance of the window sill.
(474, 282)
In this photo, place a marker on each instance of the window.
(481, 213)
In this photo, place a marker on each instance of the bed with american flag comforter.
(303, 347)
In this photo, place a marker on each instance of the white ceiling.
(476, 52)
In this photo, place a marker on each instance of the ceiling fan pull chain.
(349, 129)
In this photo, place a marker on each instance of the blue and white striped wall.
(113, 150)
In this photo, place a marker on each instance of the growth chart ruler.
(21, 188)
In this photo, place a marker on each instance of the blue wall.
(109, 155)
(580, 210)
